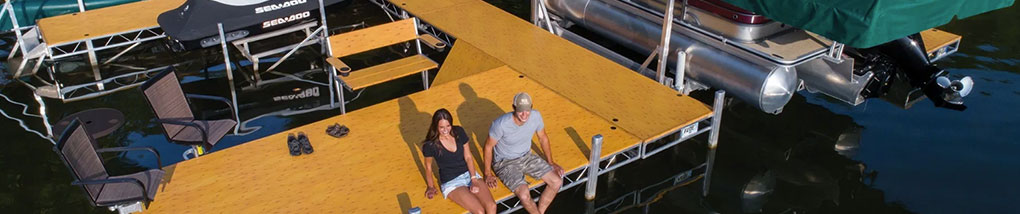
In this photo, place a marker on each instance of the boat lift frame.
(53, 88)
(41, 51)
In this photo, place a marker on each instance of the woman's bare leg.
(484, 196)
(463, 197)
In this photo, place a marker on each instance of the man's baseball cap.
(522, 102)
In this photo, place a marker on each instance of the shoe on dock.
(306, 146)
(293, 145)
(338, 131)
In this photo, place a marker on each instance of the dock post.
(713, 138)
(230, 76)
(593, 166)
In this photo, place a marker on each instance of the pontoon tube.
(765, 85)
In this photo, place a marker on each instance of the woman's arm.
(470, 161)
(430, 190)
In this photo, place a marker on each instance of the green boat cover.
(866, 23)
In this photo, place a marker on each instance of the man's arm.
(490, 176)
(543, 140)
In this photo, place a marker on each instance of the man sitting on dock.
(509, 144)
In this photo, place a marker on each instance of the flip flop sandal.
(336, 130)
(331, 130)
(293, 145)
(342, 131)
(306, 146)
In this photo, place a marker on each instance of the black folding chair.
(173, 112)
(78, 150)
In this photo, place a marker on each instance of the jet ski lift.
(122, 27)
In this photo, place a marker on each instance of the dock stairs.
(31, 48)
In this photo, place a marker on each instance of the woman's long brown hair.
(433, 133)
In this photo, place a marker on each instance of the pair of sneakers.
(298, 144)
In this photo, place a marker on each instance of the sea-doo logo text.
(273, 7)
(311, 92)
(282, 20)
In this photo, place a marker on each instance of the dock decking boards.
(104, 21)
(378, 166)
(610, 90)
(464, 60)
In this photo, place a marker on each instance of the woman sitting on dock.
(447, 145)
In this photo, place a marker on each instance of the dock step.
(939, 44)
(387, 71)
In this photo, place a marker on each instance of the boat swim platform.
(938, 44)
(378, 167)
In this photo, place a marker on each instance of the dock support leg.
(593, 167)
(16, 27)
(417, 46)
(328, 49)
(667, 30)
(230, 76)
(713, 138)
(94, 63)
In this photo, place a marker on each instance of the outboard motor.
(908, 53)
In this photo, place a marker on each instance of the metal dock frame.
(89, 46)
(612, 161)
(319, 35)
(641, 151)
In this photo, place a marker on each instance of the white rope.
(22, 123)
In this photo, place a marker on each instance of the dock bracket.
(540, 16)
(835, 53)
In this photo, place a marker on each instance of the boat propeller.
(949, 93)
(955, 90)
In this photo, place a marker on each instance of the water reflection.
(818, 156)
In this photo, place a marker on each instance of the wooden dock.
(104, 21)
(378, 167)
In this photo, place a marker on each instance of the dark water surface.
(923, 160)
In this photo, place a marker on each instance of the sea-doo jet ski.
(193, 24)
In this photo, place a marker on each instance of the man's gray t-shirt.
(514, 141)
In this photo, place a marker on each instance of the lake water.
(920, 160)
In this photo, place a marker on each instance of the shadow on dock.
(413, 125)
(485, 110)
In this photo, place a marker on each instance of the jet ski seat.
(379, 36)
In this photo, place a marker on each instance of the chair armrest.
(230, 104)
(114, 180)
(339, 65)
(138, 148)
(205, 138)
(432, 42)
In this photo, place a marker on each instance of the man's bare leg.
(524, 195)
(553, 182)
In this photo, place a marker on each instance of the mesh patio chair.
(78, 150)
(173, 112)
